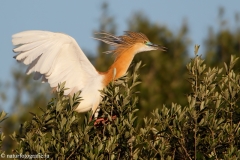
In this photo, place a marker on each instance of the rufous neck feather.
(120, 66)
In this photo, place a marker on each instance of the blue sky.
(80, 18)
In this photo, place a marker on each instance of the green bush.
(207, 128)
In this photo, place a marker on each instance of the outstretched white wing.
(54, 57)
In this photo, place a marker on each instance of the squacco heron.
(56, 58)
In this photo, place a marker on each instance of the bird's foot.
(102, 121)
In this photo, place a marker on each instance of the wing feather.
(55, 57)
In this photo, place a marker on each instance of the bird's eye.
(147, 43)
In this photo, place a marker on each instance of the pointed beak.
(162, 48)
(158, 47)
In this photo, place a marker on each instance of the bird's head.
(134, 40)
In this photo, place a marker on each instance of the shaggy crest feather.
(121, 42)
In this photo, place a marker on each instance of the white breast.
(90, 95)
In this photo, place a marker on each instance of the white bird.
(57, 58)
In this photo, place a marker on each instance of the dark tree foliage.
(207, 128)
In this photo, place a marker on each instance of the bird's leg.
(96, 112)
(95, 115)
